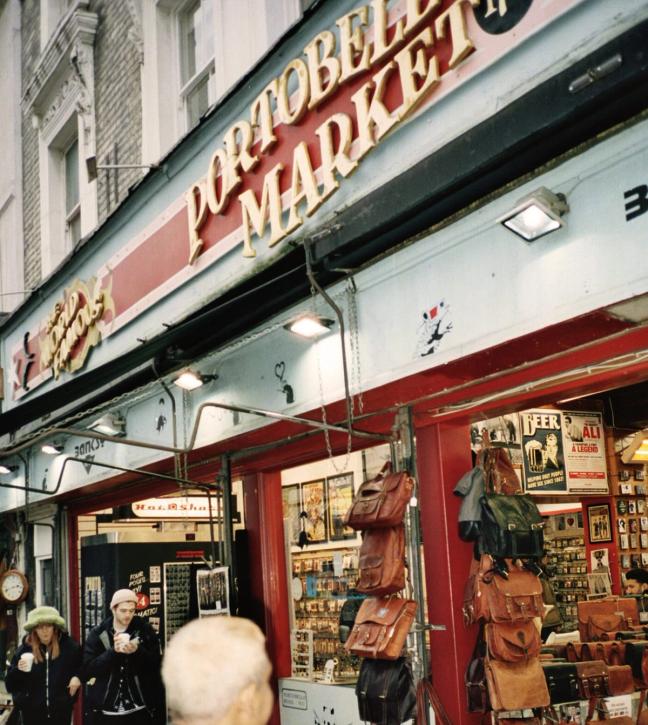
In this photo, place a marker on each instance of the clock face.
(13, 586)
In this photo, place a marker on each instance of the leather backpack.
(516, 685)
(513, 641)
(381, 627)
(511, 526)
(385, 691)
(382, 561)
(381, 501)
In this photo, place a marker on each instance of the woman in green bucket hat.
(43, 677)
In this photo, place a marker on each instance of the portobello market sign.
(310, 127)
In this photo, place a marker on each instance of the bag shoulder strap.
(425, 690)
(105, 640)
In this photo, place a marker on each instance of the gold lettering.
(374, 120)
(303, 186)
(81, 322)
(262, 109)
(412, 61)
(97, 307)
(219, 161)
(381, 46)
(238, 154)
(335, 160)
(256, 215)
(324, 71)
(415, 15)
(352, 44)
(288, 116)
(196, 215)
(462, 45)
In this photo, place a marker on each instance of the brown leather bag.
(495, 599)
(516, 685)
(599, 617)
(620, 679)
(499, 474)
(381, 627)
(630, 608)
(593, 679)
(380, 501)
(612, 653)
(382, 561)
(580, 651)
(513, 641)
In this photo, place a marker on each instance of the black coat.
(102, 665)
(28, 689)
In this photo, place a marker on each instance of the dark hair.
(640, 575)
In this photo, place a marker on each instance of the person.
(216, 672)
(44, 689)
(572, 430)
(121, 668)
(636, 581)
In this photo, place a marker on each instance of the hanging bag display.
(381, 627)
(513, 641)
(516, 686)
(499, 474)
(382, 561)
(511, 526)
(385, 691)
(380, 501)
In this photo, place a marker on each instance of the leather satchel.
(513, 641)
(600, 617)
(562, 681)
(593, 679)
(381, 627)
(499, 474)
(382, 561)
(612, 653)
(620, 680)
(495, 599)
(516, 685)
(579, 651)
(511, 526)
(385, 691)
(380, 501)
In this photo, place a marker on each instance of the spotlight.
(190, 379)
(111, 424)
(52, 449)
(7, 469)
(309, 325)
(536, 214)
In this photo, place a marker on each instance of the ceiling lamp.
(190, 380)
(309, 325)
(637, 451)
(110, 424)
(536, 214)
(7, 469)
(52, 449)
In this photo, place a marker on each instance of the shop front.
(442, 331)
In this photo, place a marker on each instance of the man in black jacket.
(121, 668)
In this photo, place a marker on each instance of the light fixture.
(309, 325)
(92, 167)
(536, 214)
(637, 451)
(7, 469)
(190, 379)
(52, 449)
(110, 424)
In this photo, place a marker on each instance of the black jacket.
(102, 665)
(43, 691)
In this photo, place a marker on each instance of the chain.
(354, 339)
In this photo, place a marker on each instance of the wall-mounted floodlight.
(309, 325)
(190, 379)
(110, 424)
(7, 469)
(92, 167)
(536, 214)
(52, 449)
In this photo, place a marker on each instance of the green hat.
(44, 615)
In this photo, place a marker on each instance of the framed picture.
(314, 503)
(600, 526)
(213, 591)
(599, 584)
(339, 491)
(291, 499)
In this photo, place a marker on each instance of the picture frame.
(212, 587)
(292, 507)
(600, 523)
(314, 504)
(339, 494)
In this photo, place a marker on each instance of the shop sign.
(193, 507)
(306, 132)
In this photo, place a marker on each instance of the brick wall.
(118, 104)
(31, 190)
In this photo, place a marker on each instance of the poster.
(340, 498)
(584, 451)
(291, 500)
(542, 446)
(213, 591)
(314, 501)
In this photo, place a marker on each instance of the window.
(196, 27)
(46, 582)
(51, 12)
(72, 199)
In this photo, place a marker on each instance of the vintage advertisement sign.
(584, 451)
(543, 458)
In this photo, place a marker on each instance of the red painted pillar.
(264, 523)
(443, 456)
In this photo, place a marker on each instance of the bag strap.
(425, 690)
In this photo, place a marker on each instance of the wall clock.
(13, 586)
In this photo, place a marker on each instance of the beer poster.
(584, 450)
(542, 451)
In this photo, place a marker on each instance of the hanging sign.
(542, 445)
(584, 451)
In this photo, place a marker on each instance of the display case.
(568, 567)
(322, 583)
